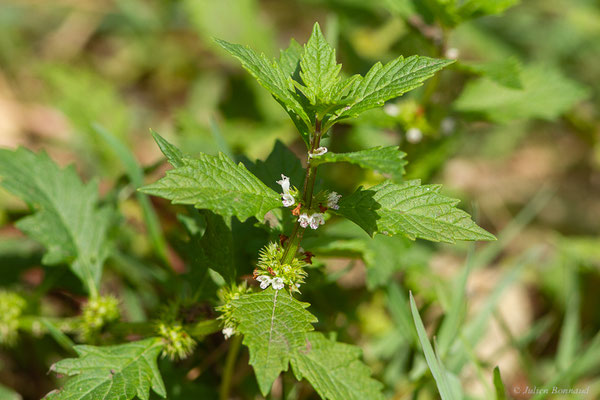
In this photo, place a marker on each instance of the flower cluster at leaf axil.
(98, 312)
(11, 307)
(313, 216)
(227, 295)
(270, 271)
(178, 343)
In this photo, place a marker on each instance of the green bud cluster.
(11, 307)
(98, 312)
(226, 296)
(178, 343)
(269, 264)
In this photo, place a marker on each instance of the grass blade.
(435, 366)
(500, 390)
(136, 176)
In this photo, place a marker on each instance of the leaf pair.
(278, 331)
(414, 210)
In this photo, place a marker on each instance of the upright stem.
(309, 184)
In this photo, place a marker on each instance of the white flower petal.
(316, 220)
(318, 152)
(285, 183)
(414, 135)
(304, 220)
(277, 283)
(287, 199)
(391, 109)
(228, 332)
(265, 281)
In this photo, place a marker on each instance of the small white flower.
(228, 332)
(265, 281)
(316, 220)
(332, 200)
(448, 124)
(318, 152)
(414, 135)
(304, 220)
(391, 109)
(286, 198)
(277, 283)
(452, 53)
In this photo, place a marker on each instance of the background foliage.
(513, 127)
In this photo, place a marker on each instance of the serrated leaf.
(274, 325)
(173, 154)
(546, 94)
(289, 59)
(212, 247)
(67, 218)
(334, 370)
(385, 160)
(119, 372)
(319, 69)
(270, 75)
(412, 209)
(216, 183)
(385, 82)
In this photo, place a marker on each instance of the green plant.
(74, 225)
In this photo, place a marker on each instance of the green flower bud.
(98, 312)
(178, 344)
(11, 307)
(227, 295)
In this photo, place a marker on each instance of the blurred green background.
(513, 128)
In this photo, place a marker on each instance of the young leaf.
(173, 154)
(385, 82)
(385, 160)
(67, 220)
(217, 184)
(289, 60)
(274, 325)
(334, 370)
(111, 372)
(271, 76)
(412, 209)
(437, 369)
(320, 71)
